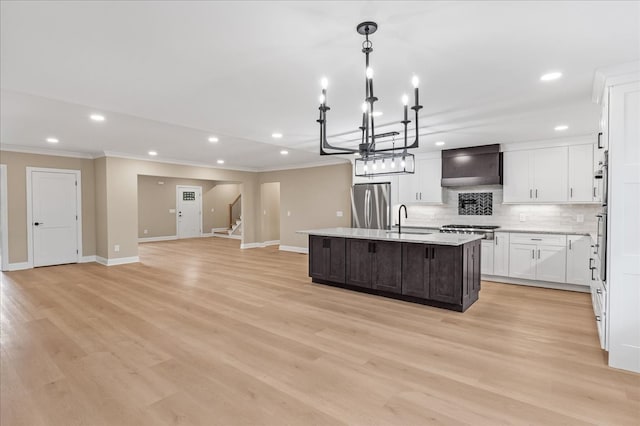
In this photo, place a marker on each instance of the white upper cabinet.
(550, 174)
(517, 177)
(535, 176)
(424, 185)
(581, 185)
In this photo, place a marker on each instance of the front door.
(189, 211)
(54, 217)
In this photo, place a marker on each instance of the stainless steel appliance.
(600, 249)
(485, 230)
(371, 205)
(479, 165)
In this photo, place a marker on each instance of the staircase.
(236, 228)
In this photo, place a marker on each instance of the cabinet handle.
(426, 252)
(433, 252)
(373, 247)
(496, 238)
(531, 193)
(416, 196)
(570, 192)
(599, 138)
(536, 194)
(598, 318)
(594, 192)
(590, 265)
(533, 254)
(569, 244)
(535, 239)
(421, 196)
(599, 291)
(538, 253)
(592, 277)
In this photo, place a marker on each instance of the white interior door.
(189, 211)
(54, 217)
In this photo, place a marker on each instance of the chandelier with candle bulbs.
(374, 156)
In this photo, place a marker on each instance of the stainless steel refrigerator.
(371, 205)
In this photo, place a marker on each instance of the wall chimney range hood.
(480, 165)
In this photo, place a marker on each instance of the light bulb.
(415, 81)
(321, 99)
(393, 164)
(405, 100)
(324, 83)
(383, 164)
(375, 166)
(403, 163)
(369, 73)
(365, 107)
(366, 167)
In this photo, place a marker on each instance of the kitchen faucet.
(399, 217)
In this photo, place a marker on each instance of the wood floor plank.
(203, 333)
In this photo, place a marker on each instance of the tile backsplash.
(475, 203)
(539, 217)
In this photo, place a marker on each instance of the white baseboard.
(295, 249)
(233, 237)
(19, 266)
(250, 245)
(207, 234)
(542, 284)
(117, 260)
(152, 239)
(87, 259)
(218, 229)
(271, 243)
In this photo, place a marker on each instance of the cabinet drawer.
(545, 239)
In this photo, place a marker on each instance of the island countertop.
(446, 239)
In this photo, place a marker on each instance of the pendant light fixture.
(373, 159)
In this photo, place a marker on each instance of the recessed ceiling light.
(97, 117)
(276, 135)
(377, 113)
(550, 76)
(440, 143)
(284, 152)
(153, 153)
(561, 128)
(220, 161)
(52, 140)
(213, 139)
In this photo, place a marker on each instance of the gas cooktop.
(488, 227)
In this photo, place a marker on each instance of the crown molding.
(115, 154)
(46, 151)
(616, 74)
(328, 162)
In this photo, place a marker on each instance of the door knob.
(38, 223)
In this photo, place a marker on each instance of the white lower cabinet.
(486, 256)
(538, 257)
(501, 254)
(522, 261)
(578, 252)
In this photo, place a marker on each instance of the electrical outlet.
(580, 218)
(523, 217)
(146, 231)
(339, 213)
(116, 248)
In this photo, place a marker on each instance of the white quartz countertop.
(383, 235)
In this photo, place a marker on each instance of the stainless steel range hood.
(480, 165)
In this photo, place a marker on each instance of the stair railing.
(235, 210)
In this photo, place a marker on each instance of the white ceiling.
(169, 74)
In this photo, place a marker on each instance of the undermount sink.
(409, 232)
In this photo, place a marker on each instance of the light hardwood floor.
(201, 332)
